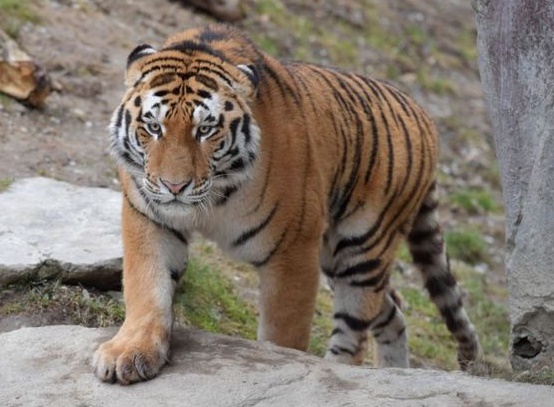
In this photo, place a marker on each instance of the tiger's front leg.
(154, 259)
(288, 290)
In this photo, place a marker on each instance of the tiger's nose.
(175, 189)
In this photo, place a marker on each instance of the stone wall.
(516, 54)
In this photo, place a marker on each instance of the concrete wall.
(516, 60)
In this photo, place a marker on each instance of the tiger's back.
(293, 167)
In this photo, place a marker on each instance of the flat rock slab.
(51, 366)
(54, 229)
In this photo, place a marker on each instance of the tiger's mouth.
(195, 195)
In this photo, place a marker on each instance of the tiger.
(298, 169)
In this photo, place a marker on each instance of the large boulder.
(516, 51)
(51, 366)
(54, 229)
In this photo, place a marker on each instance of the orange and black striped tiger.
(292, 167)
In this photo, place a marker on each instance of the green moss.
(208, 300)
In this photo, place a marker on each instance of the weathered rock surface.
(51, 366)
(53, 229)
(515, 58)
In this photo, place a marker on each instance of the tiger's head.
(185, 131)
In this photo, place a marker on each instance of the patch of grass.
(208, 300)
(417, 35)
(440, 86)
(381, 40)
(475, 201)
(62, 303)
(267, 43)
(487, 306)
(467, 45)
(341, 46)
(273, 9)
(5, 100)
(544, 376)
(5, 183)
(429, 341)
(403, 253)
(309, 42)
(322, 324)
(466, 245)
(14, 13)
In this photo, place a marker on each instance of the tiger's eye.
(154, 128)
(203, 130)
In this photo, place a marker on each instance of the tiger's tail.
(428, 250)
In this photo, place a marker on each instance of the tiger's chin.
(182, 201)
(184, 198)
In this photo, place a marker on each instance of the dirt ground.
(83, 44)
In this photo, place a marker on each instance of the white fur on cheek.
(201, 113)
(154, 105)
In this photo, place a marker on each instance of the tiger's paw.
(131, 358)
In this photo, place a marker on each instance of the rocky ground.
(426, 47)
(223, 372)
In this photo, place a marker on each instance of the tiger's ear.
(249, 85)
(133, 68)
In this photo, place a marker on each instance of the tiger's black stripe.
(355, 324)
(180, 236)
(388, 319)
(269, 256)
(375, 281)
(249, 234)
(360, 268)
(284, 88)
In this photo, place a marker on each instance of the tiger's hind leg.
(389, 334)
(364, 303)
(428, 250)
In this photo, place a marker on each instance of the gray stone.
(51, 366)
(53, 229)
(515, 59)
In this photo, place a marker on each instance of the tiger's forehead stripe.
(188, 47)
(214, 68)
(207, 81)
(162, 79)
